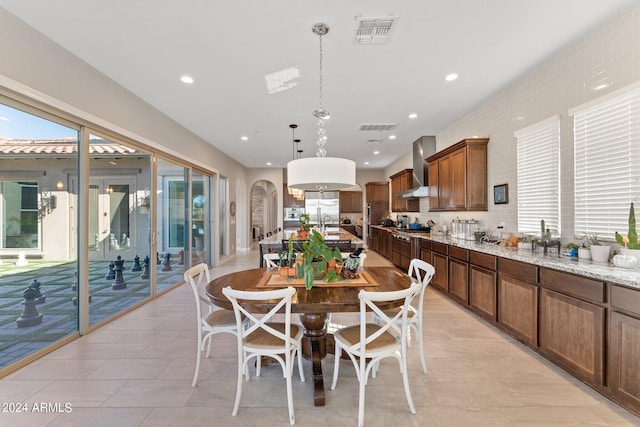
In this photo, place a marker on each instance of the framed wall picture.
(501, 194)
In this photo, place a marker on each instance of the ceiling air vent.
(374, 30)
(378, 126)
(373, 141)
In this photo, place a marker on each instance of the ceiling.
(230, 47)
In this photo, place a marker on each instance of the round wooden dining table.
(313, 305)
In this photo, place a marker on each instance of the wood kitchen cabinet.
(351, 202)
(624, 346)
(441, 265)
(458, 177)
(401, 253)
(483, 285)
(377, 192)
(381, 241)
(377, 195)
(288, 200)
(459, 274)
(518, 299)
(572, 323)
(400, 182)
(426, 253)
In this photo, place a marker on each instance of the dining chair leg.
(246, 366)
(420, 342)
(288, 363)
(363, 383)
(258, 365)
(405, 380)
(208, 339)
(300, 368)
(336, 365)
(198, 357)
(241, 368)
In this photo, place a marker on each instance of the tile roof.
(59, 146)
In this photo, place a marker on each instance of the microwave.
(293, 214)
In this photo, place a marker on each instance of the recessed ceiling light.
(376, 152)
(244, 138)
(366, 163)
(392, 137)
(451, 77)
(600, 87)
(413, 115)
(268, 163)
(186, 79)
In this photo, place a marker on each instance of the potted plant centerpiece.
(287, 261)
(629, 243)
(305, 225)
(316, 256)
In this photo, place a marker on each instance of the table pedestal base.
(315, 348)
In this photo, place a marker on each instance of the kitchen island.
(332, 235)
(584, 316)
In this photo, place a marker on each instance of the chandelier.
(321, 172)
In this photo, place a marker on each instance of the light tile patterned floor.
(136, 371)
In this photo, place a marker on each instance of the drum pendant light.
(321, 173)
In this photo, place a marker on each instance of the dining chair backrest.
(271, 260)
(395, 324)
(261, 321)
(362, 256)
(383, 339)
(214, 321)
(262, 337)
(197, 277)
(423, 272)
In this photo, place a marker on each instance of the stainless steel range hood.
(422, 148)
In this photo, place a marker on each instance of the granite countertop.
(595, 270)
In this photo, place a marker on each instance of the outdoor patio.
(59, 309)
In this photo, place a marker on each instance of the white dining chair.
(271, 260)
(362, 256)
(368, 343)
(213, 321)
(423, 273)
(262, 337)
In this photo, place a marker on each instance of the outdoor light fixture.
(321, 172)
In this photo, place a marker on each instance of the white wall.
(610, 56)
(36, 67)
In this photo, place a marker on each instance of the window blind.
(538, 166)
(607, 164)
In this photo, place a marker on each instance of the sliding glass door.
(119, 227)
(38, 272)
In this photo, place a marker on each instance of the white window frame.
(538, 166)
(607, 162)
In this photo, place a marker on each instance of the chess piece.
(74, 285)
(136, 264)
(22, 260)
(39, 298)
(166, 264)
(119, 282)
(30, 315)
(145, 273)
(111, 274)
(181, 262)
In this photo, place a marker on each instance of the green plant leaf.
(332, 276)
(633, 234)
